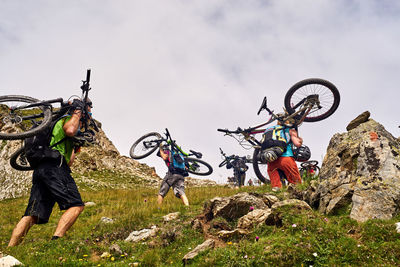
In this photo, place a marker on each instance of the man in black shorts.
(174, 178)
(52, 182)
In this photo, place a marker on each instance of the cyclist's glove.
(77, 105)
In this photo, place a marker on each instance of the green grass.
(305, 237)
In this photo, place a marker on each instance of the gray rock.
(106, 220)
(269, 200)
(238, 232)
(171, 217)
(208, 244)
(9, 261)
(233, 207)
(361, 170)
(398, 227)
(299, 204)
(253, 218)
(114, 248)
(363, 117)
(143, 234)
(90, 204)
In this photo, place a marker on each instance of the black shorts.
(52, 183)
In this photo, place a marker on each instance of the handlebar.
(59, 100)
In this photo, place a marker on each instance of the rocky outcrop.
(13, 183)
(361, 170)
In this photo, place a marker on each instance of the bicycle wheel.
(16, 121)
(145, 145)
(199, 167)
(328, 96)
(260, 169)
(18, 160)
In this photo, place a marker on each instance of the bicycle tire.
(305, 175)
(153, 136)
(329, 98)
(305, 164)
(199, 170)
(259, 168)
(6, 121)
(18, 162)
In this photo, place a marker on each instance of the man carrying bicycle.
(284, 162)
(175, 176)
(52, 181)
(239, 170)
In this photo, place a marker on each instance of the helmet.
(165, 147)
(271, 154)
(302, 153)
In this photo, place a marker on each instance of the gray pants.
(176, 181)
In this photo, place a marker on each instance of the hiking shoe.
(275, 189)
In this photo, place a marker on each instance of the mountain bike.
(226, 160)
(24, 116)
(309, 100)
(148, 143)
(309, 170)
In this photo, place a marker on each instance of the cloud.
(201, 65)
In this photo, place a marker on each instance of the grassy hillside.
(303, 239)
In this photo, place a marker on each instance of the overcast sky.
(195, 66)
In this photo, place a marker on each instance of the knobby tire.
(153, 136)
(200, 162)
(47, 117)
(15, 160)
(258, 166)
(328, 94)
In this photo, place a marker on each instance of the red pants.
(288, 166)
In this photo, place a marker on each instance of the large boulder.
(361, 170)
(233, 207)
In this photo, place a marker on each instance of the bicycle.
(238, 163)
(309, 100)
(24, 116)
(226, 160)
(309, 170)
(148, 143)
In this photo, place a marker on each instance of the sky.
(195, 66)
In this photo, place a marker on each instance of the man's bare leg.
(21, 229)
(159, 200)
(185, 200)
(67, 220)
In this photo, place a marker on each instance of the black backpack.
(38, 149)
(274, 137)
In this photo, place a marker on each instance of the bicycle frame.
(308, 103)
(64, 106)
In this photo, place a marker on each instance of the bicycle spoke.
(14, 118)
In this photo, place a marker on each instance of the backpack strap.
(64, 138)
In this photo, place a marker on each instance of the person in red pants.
(286, 162)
